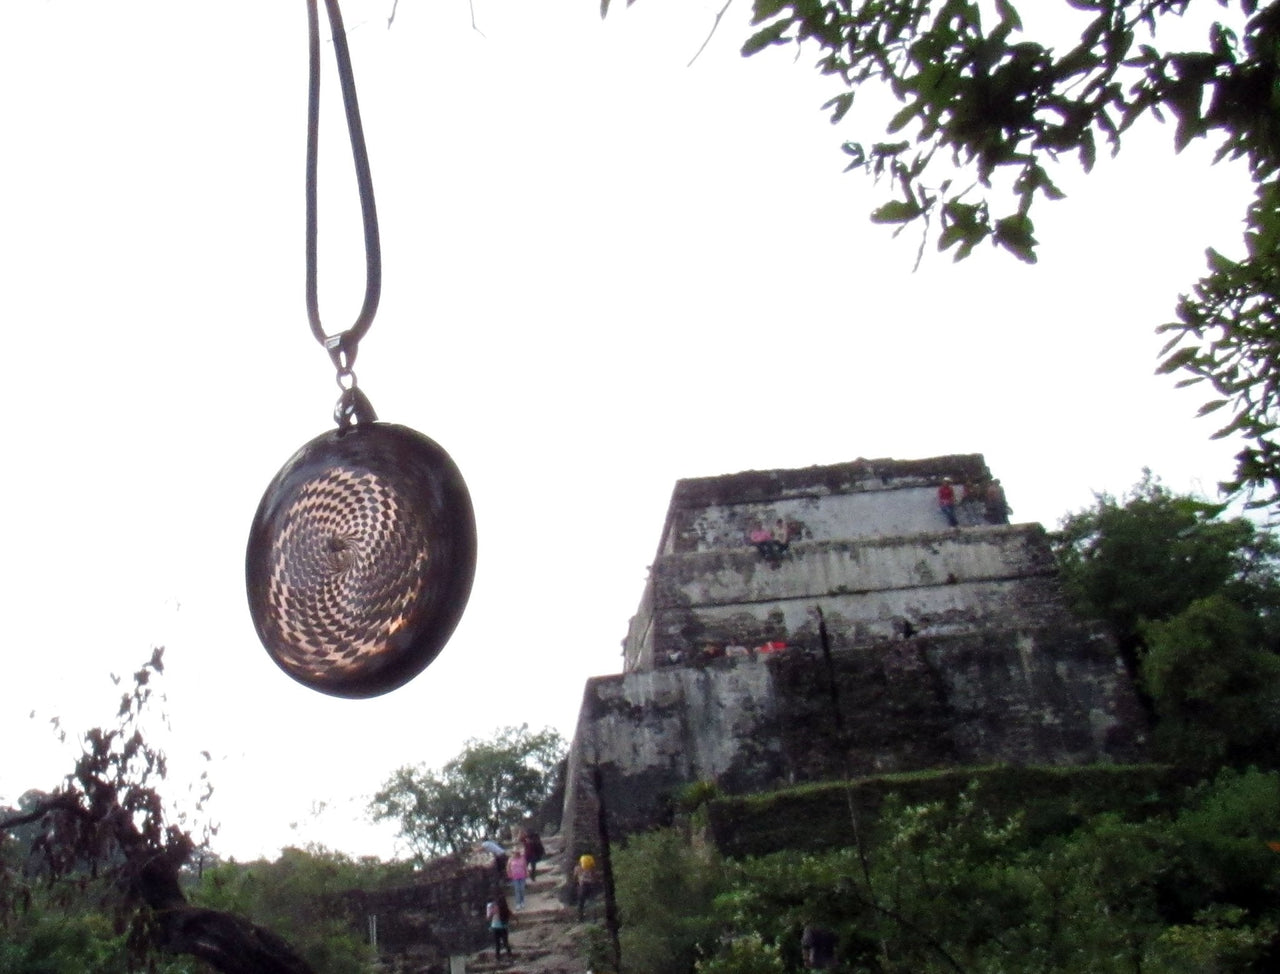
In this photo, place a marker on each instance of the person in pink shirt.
(518, 872)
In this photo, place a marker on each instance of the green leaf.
(903, 116)
(763, 10)
(1007, 15)
(896, 211)
(1176, 361)
(839, 106)
(857, 155)
(1212, 406)
(1088, 151)
(761, 39)
(1014, 234)
(1219, 264)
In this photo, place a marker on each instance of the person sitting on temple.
(947, 502)
(772, 545)
(997, 506)
(781, 538)
(762, 538)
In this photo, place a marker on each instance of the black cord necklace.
(362, 553)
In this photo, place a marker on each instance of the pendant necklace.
(363, 549)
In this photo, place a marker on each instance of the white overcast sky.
(604, 271)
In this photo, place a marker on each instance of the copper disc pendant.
(361, 559)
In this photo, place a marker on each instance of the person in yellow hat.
(587, 878)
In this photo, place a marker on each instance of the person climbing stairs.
(546, 936)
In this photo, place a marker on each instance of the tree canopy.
(1193, 600)
(491, 783)
(1147, 556)
(1216, 687)
(986, 114)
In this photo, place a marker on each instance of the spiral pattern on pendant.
(347, 568)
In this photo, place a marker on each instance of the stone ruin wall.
(948, 648)
(869, 590)
(1034, 695)
(439, 915)
(855, 528)
(855, 499)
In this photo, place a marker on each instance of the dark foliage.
(102, 841)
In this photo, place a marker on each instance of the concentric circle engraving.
(361, 559)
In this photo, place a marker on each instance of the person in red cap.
(947, 502)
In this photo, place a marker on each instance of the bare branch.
(55, 803)
(714, 27)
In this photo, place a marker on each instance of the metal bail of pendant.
(353, 407)
(361, 558)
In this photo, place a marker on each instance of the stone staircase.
(546, 936)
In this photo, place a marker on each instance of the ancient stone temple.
(803, 625)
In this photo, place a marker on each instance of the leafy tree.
(668, 889)
(41, 940)
(1217, 693)
(491, 782)
(1193, 599)
(986, 114)
(101, 849)
(1148, 556)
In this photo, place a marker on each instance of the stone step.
(539, 918)
(523, 963)
(527, 955)
(544, 935)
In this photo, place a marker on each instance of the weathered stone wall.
(1051, 695)
(435, 918)
(878, 513)
(871, 589)
(853, 528)
(863, 498)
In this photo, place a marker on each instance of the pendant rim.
(424, 477)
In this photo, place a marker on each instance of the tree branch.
(715, 26)
(231, 944)
(56, 803)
